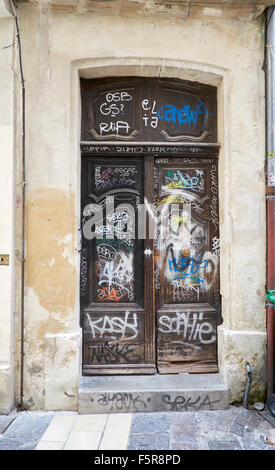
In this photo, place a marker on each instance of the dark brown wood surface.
(149, 293)
(187, 263)
(150, 110)
(117, 308)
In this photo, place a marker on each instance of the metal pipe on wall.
(12, 9)
(270, 191)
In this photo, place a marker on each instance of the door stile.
(149, 288)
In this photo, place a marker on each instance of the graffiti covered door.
(117, 308)
(165, 272)
(150, 297)
(187, 264)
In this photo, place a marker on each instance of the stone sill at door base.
(132, 394)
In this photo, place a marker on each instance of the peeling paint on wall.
(50, 236)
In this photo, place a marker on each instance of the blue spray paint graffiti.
(180, 181)
(184, 115)
(180, 266)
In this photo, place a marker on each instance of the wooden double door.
(149, 274)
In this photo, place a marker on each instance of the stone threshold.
(152, 393)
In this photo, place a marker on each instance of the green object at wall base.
(271, 297)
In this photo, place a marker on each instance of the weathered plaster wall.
(6, 220)
(58, 46)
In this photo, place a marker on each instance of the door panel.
(148, 298)
(186, 264)
(116, 316)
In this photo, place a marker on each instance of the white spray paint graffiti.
(187, 293)
(117, 275)
(216, 246)
(118, 328)
(110, 177)
(188, 262)
(191, 326)
(106, 252)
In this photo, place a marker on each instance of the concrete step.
(151, 393)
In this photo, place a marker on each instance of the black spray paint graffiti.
(187, 403)
(144, 149)
(131, 402)
(110, 353)
(83, 276)
(121, 401)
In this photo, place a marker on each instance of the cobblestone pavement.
(233, 429)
